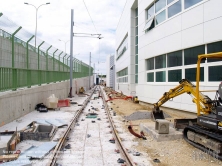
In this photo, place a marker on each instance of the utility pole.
(71, 52)
(89, 67)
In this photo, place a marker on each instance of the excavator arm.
(185, 86)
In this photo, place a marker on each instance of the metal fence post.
(54, 59)
(68, 62)
(14, 70)
(27, 63)
(63, 61)
(59, 76)
(39, 72)
(47, 66)
(54, 74)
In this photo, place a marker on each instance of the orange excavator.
(204, 132)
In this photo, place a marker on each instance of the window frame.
(184, 2)
(181, 73)
(171, 4)
(167, 5)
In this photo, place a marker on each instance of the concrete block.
(42, 132)
(162, 126)
(149, 128)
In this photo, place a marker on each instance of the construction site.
(157, 102)
(99, 127)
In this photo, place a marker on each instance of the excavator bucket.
(157, 114)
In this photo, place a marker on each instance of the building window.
(136, 40)
(190, 74)
(122, 48)
(150, 12)
(174, 59)
(191, 54)
(122, 72)
(136, 79)
(149, 25)
(160, 17)
(215, 73)
(136, 69)
(150, 64)
(189, 3)
(174, 9)
(160, 4)
(136, 59)
(136, 29)
(136, 46)
(212, 48)
(160, 62)
(150, 77)
(174, 75)
(169, 1)
(161, 76)
(136, 49)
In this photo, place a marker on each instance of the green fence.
(23, 65)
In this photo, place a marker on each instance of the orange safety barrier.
(63, 103)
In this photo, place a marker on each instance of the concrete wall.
(15, 104)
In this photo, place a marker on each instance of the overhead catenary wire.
(121, 14)
(90, 16)
(81, 27)
(95, 30)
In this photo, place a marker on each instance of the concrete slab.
(149, 128)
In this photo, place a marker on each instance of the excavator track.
(204, 139)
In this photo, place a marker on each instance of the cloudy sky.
(54, 24)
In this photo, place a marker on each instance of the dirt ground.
(170, 153)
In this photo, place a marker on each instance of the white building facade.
(110, 71)
(157, 44)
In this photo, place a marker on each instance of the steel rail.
(63, 139)
(123, 151)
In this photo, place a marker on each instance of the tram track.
(62, 140)
(123, 152)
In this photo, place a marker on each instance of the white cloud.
(54, 23)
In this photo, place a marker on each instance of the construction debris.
(120, 160)
(38, 132)
(64, 103)
(56, 122)
(52, 102)
(8, 142)
(81, 90)
(41, 107)
(40, 151)
(9, 157)
(22, 160)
